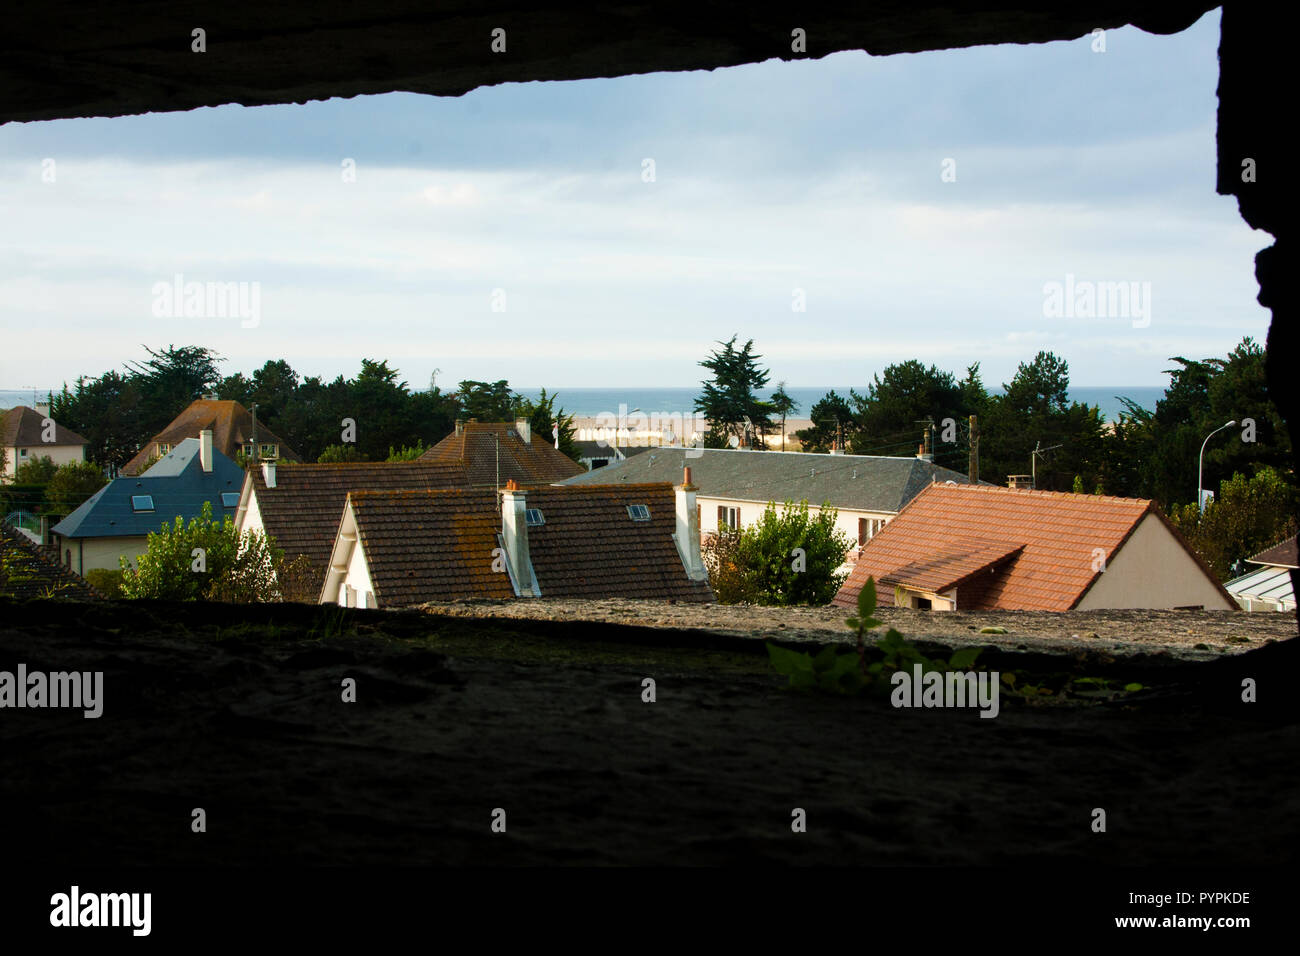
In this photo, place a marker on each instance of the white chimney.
(525, 430)
(268, 473)
(688, 529)
(514, 537)
(205, 450)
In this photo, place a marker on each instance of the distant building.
(29, 433)
(233, 433)
(115, 521)
(1270, 587)
(735, 486)
(600, 453)
(299, 505)
(493, 453)
(981, 547)
(399, 548)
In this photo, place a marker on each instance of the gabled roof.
(30, 572)
(1285, 554)
(302, 511)
(475, 446)
(438, 545)
(178, 486)
(231, 425)
(849, 482)
(1042, 545)
(21, 426)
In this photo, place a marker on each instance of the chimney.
(268, 473)
(43, 408)
(460, 426)
(45, 530)
(688, 529)
(1020, 481)
(205, 450)
(525, 429)
(514, 538)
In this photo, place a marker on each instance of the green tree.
(832, 419)
(37, 470)
(405, 453)
(542, 417)
(730, 401)
(107, 411)
(1247, 516)
(334, 454)
(71, 485)
(487, 401)
(783, 405)
(785, 558)
(204, 560)
(890, 415)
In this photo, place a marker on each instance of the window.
(638, 512)
(22, 452)
(163, 448)
(269, 450)
(248, 449)
(728, 518)
(142, 502)
(533, 517)
(230, 499)
(868, 528)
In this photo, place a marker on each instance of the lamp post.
(1200, 467)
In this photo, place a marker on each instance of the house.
(298, 505)
(981, 547)
(234, 432)
(1271, 586)
(399, 548)
(599, 453)
(115, 521)
(30, 433)
(493, 453)
(29, 571)
(736, 485)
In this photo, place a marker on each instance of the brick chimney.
(687, 535)
(460, 426)
(205, 450)
(268, 473)
(525, 429)
(514, 538)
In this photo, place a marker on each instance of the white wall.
(1152, 570)
(59, 454)
(846, 522)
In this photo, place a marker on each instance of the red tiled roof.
(476, 447)
(302, 511)
(231, 425)
(963, 529)
(438, 545)
(22, 426)
(430, 545)
(1282, 555)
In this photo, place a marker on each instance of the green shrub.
(106, 581)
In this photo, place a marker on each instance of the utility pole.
(255, 454)
(973, 470)
(1034, 461)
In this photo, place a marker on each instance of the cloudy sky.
(823, 176)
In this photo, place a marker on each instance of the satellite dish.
(733, 442)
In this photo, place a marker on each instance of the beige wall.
(59, 454)
(1152, 570)
(90, 553)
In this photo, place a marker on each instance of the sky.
(845, 213)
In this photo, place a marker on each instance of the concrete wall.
(1152, 570)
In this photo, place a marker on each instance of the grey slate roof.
(179, 487)
(849, 482)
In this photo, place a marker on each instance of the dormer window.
(269, 450)
(638, 512)
(163, 448)
(533, 517)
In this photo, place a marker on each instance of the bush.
(35, 471)
(206, 560)
(106, 581)
(786, 558)
(71, 485)
(340, 453)
(406, 454)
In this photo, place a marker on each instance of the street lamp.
(1200, 467)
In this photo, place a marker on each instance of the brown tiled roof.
(22, 427)
(437, 545)
(430, 545)
(302, 511)
(31, 572)
(589, 547)
(529, 463)
(1282, 555)
(962, 529)
(231, 425)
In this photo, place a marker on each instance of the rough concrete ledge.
(1118, 633)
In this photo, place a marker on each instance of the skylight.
(229, 499)
(638, 512)
(533, 517)
(142, 502)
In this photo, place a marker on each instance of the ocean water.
(590, 402)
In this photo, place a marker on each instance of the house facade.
(234, 432)
(401, 548)
(115, 522)
(28, 434)
(981, 547)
